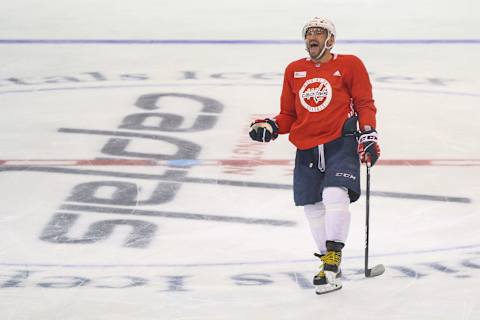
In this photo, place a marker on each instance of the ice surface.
(218, 236)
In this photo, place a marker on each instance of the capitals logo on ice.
(315, 94)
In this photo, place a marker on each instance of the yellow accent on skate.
(321, 274)
(332, 258)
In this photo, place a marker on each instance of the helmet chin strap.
(325, 47)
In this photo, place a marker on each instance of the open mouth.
(313, 45)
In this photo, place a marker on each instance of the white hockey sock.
(315, 214)
(337, 214)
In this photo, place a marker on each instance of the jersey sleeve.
(287, 115)
(361, 92)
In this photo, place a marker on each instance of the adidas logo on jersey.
(337, 74)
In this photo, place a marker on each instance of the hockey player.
(323, 97)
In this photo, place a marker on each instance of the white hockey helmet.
(319, 22)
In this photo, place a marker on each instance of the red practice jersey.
(317, 99)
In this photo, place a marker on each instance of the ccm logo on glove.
(368, 148)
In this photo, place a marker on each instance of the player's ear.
(331, 41)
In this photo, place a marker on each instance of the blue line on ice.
(216, 264)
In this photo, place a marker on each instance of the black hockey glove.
(368, 148)
(263, 130)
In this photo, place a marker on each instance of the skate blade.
(326, 288)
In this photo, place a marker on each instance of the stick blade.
(378, 270)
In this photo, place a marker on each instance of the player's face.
(315, 40)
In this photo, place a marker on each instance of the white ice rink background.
(130, 188)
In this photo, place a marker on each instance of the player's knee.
(316, 210)
(335, 197)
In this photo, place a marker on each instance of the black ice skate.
(329, 277)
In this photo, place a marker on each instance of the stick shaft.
(367, 220)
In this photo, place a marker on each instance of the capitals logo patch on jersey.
(315, 94)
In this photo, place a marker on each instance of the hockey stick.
(379, 269)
